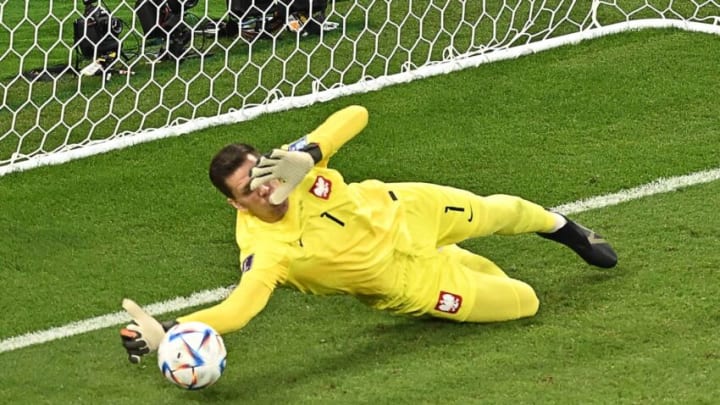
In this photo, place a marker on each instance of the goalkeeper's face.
(255, 202)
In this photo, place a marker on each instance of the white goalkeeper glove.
(288, 167)
(144, 334)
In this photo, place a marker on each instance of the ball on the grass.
(192, 355)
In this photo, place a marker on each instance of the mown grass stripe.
(658, 186)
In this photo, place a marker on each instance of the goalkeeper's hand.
(144, 334)
(288, 166)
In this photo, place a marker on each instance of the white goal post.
(84, 77)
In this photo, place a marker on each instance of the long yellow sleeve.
(337, 129)
(243, 304)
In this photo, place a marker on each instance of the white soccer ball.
(192, 355)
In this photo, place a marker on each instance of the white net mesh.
(75, 81)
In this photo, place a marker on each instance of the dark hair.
(226, 162)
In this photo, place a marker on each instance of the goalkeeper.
(391, 245)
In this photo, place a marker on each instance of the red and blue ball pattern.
(192, 355)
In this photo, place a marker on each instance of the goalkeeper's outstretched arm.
(232, 314)
(336, 130)
(290, 165)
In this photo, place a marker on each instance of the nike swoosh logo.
(595, 239)
(471, 213)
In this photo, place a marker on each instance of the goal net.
(85, 77)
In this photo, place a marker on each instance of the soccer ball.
(192, 355)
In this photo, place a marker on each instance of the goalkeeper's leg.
(472, 261)
(462, 295)
(497, 297)
(439, 216)
(501, 299)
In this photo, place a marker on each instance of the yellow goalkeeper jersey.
(336, 238)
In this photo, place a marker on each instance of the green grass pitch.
(555, 127)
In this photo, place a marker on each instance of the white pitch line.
(658, 186)
(116, 318)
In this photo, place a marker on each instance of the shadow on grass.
(383, 344)
(379, 349)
